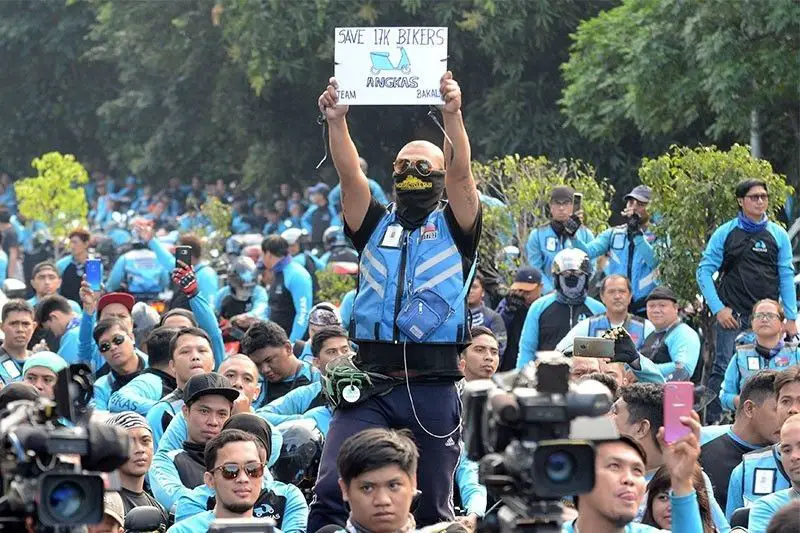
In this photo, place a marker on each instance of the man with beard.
(513, 309)
(409, 319)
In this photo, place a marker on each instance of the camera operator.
(41, 370)
(113, 515)
(619, 488)
(133, 473)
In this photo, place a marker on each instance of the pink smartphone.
(678, 402)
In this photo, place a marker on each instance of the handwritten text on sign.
(390, 66)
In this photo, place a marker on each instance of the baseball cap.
(319, 188)
(49, 360)
(206, 384)
(116, 298)
(641, 193)
(113, 506)
(527, 278)
(662, 293)
(561, 193)
(324, 314)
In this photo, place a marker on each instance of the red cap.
(116, 298)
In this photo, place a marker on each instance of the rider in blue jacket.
(563, 230)
(291, 291)
(116, 345)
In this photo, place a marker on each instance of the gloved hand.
(184, 277)
(572, 225)
(624, 348)
(634, 224)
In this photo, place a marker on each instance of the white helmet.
(292, 235)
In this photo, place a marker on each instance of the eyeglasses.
(756, 197)
(766, 316)
(424, 167)
(116, 341)
(231, 470)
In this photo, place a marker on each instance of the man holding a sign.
(410, 316)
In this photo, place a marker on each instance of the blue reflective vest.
(399, 264)
(746, 362)
(760, 473)
(599, 324)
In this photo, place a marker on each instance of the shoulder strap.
(468, 281)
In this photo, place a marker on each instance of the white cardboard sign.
(390, 65)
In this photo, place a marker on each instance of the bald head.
(789, 446)
(242, 372)
(416, 150)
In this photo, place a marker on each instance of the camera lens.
(66, 499)
(559, 466)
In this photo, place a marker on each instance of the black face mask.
(417, 195)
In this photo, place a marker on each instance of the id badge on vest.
(11, 368)
(753, 363)
(763, 481)
(392, 237)
(550, 244)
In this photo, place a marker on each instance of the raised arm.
(461, 190)
(355, 187)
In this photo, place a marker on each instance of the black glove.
(624, 348)
(634, 224)
(572, 225)
(185, 279)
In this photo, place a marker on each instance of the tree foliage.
(693, 190)
(333, 286)
(667, 67)
(55, 195)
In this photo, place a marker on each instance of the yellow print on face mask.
(413, 183)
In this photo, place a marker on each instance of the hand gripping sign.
(390, 66)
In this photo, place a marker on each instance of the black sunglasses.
(424, 167)
(231, 470)
(116, 340)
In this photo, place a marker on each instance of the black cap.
(561, 193)
(641, 193)
(526, 278)
(205, 384)
(662, 293)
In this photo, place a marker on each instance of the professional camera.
(522, 427)
(51, 458)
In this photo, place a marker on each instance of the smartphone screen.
(577, 202)
(94, 274)
(183, 254)
(678, 402)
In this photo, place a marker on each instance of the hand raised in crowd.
(624, 348)
(40, 346)
(241, 404)
(243, 321)
(88, 297)
(790, 327)
(726, 319)
(328, 102)
(183, 276)
(451, 93)
(144, 230)
(681, 456)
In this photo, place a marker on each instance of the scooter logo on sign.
(381, 62)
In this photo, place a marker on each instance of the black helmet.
(300, 453)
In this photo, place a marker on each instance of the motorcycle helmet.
(300, 453)
(571, 259)
(292, 235)
(233, 246)
(571, 271)
(334, 236)
(242, 275)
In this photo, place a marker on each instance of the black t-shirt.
(10, 239)
(387, 358)
(718, 458)
(131, 500)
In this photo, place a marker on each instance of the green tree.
(669, 68)
(50, 90)
(333, 286)
(524, 184)
(55, 195)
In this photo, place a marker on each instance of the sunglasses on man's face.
(424, 167)
(231, 470)
(116, 341)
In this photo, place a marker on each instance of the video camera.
(51, 458)
(520, 426)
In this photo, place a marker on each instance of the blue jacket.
(721, 247)
(257, 307)
(305, 375)
(292, 291)
(346, 308)
(161, 414)
(292, 517)
(140, 395)
(543, 245)
(300, 259)
(207, 282)
(685, 518)
(207, 321)
(105, 386)
(141, 271)
(641, 271)
(3, 266)
(746, 362)
(165, 480)
(398, 266)
(745, 487)
(87, 348)
(473, 494)
(177, 432)
(10, 368)
(306, 220)
(529, 340)
(678, 344)
(764, 509)
(335, 196)
(302, 402)
(69, 343)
